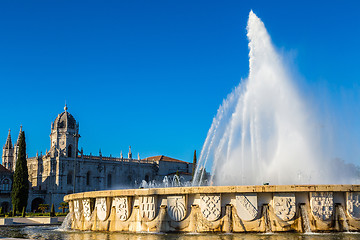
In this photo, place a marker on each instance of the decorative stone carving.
(77, 208)
(284, 205)
(322, 205)
(247, 206)
(122, 207)
(210, 205)
(101, 208)
(86, 209)
(176, 206)
(353, 204)
(148, 207)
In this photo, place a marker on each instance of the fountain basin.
(268, 208)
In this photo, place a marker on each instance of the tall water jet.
(263, 131)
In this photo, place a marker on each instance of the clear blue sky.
(151, 74)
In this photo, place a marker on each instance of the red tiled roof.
(3, 169)
(163, 158)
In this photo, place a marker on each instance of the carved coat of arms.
(210, 205)
(77, 209)
(122, 207)
(176, 206)
(353, 204)
(86, 209)
(101, 208)
(284, 205)
(322, 205)
(247, 206)
(148, 207)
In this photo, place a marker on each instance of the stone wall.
(315, 208)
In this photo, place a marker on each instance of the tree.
(63, 206)
(20, 190)
(23, 214)
(43, 207)
(52, 211)
(194, 165)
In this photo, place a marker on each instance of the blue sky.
(151, 74)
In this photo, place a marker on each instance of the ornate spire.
(130, 154)
(121, 155)
(18, 139)
(138, 156)
(65, 108)
(8, 143)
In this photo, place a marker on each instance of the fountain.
(66, 224)
(305, 219)
(262, 133)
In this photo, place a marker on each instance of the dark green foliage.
(13, 211)
(23, 214)
(194, 164)
(52, 211)
(20, 188)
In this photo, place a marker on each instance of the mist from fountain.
(264, 132)
(175, 181)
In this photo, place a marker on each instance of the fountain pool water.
(264, 131)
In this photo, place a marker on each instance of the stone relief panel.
(353, 204)
(246, 206)
(210, 205)
(322, 205)
(176, 206)
(101, 208)
(86, 209)
(148, 207)
(122, 206)
(77, 209)
(284, 205)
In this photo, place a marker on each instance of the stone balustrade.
(278, 208)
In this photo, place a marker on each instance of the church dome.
(65, 120)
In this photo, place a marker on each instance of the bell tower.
(8, 154)
(64, 135)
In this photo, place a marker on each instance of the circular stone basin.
(267, 208)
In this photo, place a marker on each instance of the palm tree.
(63, 206)
(43, 207)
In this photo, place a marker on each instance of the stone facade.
(64, 169)
(5, 188)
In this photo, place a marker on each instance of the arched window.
(69, 151)
(88, 178)
(147, 178)
(69, 178)
(109, 180)
(6, 185)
